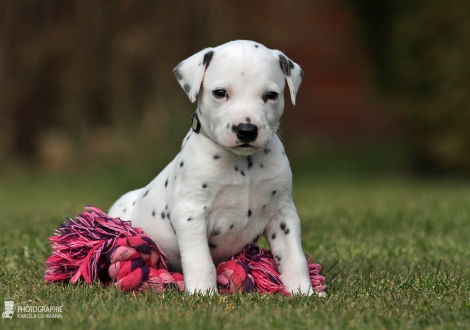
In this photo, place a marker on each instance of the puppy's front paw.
(305, 290)
(321, 294)
(297, 282)
(202, 290)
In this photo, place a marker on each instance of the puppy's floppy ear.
(190, 72)
(293, 73)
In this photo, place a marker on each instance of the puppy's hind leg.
(122, 208)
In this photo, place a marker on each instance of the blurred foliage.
(432, 61)
(85, 79)
(89, 78)
(422, 50)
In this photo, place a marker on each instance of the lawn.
(395, 252)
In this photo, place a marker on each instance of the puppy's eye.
(270, 96)
(219, 93)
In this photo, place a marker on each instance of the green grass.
(396, 254)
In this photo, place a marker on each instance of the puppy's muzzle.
(246, 133)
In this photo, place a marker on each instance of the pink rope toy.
(96, 247)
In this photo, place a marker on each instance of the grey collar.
(196, 124)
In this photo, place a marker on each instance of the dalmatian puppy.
(231, 183)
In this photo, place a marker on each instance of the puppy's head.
(240, 91)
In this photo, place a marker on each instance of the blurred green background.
(86, 84)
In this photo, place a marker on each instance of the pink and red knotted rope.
(97, 247)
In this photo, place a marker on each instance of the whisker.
(280, 133)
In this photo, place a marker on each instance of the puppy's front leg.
(283, 235)
(198, 267)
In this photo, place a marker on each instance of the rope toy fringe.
(96, 247)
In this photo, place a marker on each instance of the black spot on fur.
(163, 215)
(264, 206)
(284, 228)
(250, 161)
(278, 258)
(285, 65)
(273, 193)
(166, 207)
(168, 215)
(178, 73)
(216, 231)
(261, 165)
(231, 226)
(190, 218)
(182, 164)
(291, 64)
(207, 57)
(248, 120)
(256, 46)
(212, 245)
(242, 173)
(234, 128)
(134, 203)
(204, 185)
(236, 168)
(228, 125)
(273, 236)
(216, 156)
(249, 213)
(124, 210)
(188, 137)
(166, 183)
(153, 213)
(266, 150)
(146, 193)
(187, 88)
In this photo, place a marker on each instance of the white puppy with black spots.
(231, 182)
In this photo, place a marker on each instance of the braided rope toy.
(97, 247)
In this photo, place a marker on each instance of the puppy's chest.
(243, 201)
(239, 194)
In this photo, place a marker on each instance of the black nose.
(247, 132)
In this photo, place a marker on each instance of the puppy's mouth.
(244, 149)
